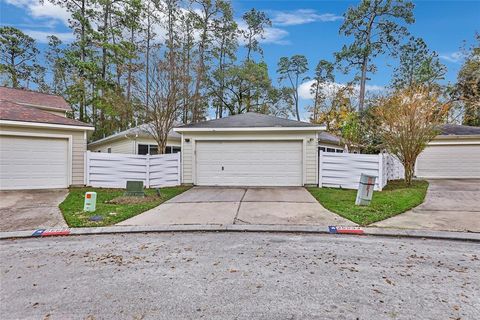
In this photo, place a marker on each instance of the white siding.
(128, 146)
(308, 139)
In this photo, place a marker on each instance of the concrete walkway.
(31, 209)
(221, 206)
(450, 205)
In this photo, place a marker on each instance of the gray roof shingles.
(34, 98)
(140, 130)
(17, 112)
(458, 130)
(249, 120)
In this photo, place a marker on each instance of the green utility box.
(134, 189)
(90, 204)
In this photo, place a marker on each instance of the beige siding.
(310, 149)
(450, 159)
(128, 146)
(79, 146)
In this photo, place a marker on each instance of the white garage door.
(33, 163)
(449, 161)
(249, 163)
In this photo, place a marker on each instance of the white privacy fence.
(112, 170)
(343, 170)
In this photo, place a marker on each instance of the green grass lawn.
(72, 206)
(395, 198)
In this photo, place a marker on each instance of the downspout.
(134, 142)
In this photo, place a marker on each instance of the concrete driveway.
(451, 205)
(216, 205)
(31, 209)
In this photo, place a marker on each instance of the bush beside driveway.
(111, 213)
(395, 198)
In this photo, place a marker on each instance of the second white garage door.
(249, 163)
(33, 163)
(449, 161)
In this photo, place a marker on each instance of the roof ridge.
(34, 91)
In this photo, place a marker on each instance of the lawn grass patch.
(72, 206)
(395, 198)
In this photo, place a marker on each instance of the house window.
(143, 149)
(152, 149)
(109, 150)
(328, 149)
(172, 149)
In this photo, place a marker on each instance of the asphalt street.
(238, 276)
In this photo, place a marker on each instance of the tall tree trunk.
(82, 58)
(147, 58)
(295, 96)
(363, 81)
(14, 73)
(130, 63)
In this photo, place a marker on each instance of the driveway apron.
(31, 209)
(450, 205)
(221, 205)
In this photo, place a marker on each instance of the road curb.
(373, 231)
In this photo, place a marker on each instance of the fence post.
(147, 173)
(380, 172)
(179, 164)
(320, 157)
(86, 179)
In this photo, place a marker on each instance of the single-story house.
(328, 142)
(250, 149)
(40, 147)
(454, 153)
(136, 140)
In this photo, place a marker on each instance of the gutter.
(249, 129)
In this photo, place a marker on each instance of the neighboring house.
(136, 140)
(328, 142)
(250, 150)
(40, 147)
(454, 153)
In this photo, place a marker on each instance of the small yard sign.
(135, 189)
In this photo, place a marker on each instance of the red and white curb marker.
(50, 232)
(345, 230)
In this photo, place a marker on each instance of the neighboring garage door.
(449, 161)
(249, 163)
(33, 163)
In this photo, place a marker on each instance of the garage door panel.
(249, 163)
(33, 163)
(449, 161)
